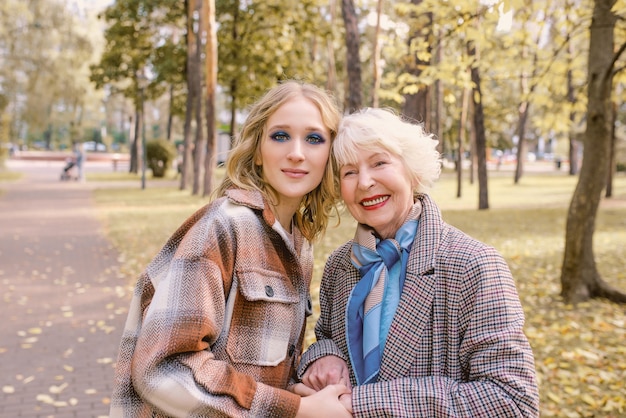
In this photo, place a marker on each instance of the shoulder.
(221, 219)
(458, 245)
(248, 198)
(341, 255)
(235, 206)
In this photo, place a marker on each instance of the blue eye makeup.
(315, 139)
(280, 136)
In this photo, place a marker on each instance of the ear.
(415, 183)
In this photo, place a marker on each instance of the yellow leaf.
(45, 399)
(57, 389)
(588, 399)
(554, 398)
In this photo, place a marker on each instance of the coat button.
(269, 291)
(292, 349)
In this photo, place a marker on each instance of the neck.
(284, 215)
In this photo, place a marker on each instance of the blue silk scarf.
(375, 298)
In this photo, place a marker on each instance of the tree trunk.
(521, 145)
(198, 143)
(471, 129)
(134, 153)
(523, 111)
(233, 82)
(573, 144)
(574, 147)
(417, 106)
(211, 85)
(170, 116)
(331, 80)
(462, 130)
(191, 100)
(233, 113)
(355, 95)
(609, 178)
(481, 139)
(580, 279)
(438, 110)
(376, 56)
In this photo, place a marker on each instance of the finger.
(340, 389)
(315, 382)
(310, 379)
(346, 401)
(346, 378)
(302, 390)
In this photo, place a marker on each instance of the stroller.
(68, 172)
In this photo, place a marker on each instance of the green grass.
(126, 176)
(6, 175)
(579, 351)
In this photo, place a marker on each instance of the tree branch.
(619, 52)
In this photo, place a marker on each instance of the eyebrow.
(308, 128)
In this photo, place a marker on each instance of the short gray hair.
(375, 129)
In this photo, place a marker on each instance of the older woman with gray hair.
(420, 319)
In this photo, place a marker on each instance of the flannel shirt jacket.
(180, 354)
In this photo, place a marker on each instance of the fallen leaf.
(55, 390)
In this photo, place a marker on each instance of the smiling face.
(294, 150)
(377, 191)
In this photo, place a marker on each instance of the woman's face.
(377, 191)
(294, 150)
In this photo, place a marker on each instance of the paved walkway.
(62, 302)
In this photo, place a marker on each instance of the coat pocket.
(263, 321)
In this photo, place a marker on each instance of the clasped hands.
(325, 388)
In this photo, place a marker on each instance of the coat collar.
(415, 307)
(428, 239)
(252, 199)
(255, 200)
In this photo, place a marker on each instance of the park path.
(62, 298)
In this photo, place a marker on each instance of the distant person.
(419, 318)
(79, 158)
(216, 324)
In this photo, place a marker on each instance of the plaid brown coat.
(182, 354)
(456, 346)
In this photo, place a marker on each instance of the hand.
(346, 401)
(325, 403)
(301, 389)
(328, 370)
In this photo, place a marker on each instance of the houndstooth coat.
(456, 346)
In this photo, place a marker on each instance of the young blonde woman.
(217, 321)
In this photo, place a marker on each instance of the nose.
(296, 153)
(365, 180)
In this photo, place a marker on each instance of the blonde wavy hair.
(318, 205)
